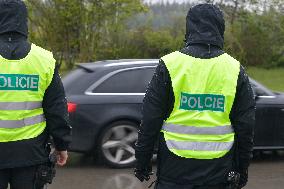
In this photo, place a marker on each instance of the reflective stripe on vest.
(199, 146)
(20, 105)
(12, 124)
(22, 87)
(192, 130)
(199, 126)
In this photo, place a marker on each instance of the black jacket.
(14, 46)
(158, 105)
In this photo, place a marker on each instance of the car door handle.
(282, 109)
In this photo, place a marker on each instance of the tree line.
(90, 30)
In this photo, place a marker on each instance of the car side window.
(127, 81)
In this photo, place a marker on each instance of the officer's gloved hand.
(243, 178)
(143, 173)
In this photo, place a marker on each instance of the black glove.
(143, 174)
(243, 178)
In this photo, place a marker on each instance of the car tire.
(116, 144)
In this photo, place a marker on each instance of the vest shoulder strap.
(45, 54)
(171, 57)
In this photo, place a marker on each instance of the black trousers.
(168, 185)
(19, 178)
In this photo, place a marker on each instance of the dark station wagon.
(105, 100)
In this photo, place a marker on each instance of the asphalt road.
(266, 172)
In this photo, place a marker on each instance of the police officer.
(32, 103)
(200, 105)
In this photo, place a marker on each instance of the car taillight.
(71, 107)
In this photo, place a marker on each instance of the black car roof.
(91, 66)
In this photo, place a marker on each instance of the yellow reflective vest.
(199, 126)
(22, 86)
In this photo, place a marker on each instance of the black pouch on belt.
(46, 172)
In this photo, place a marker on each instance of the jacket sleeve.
(243, 120)
(55, 110)
(155, 109)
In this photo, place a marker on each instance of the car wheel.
(117, 144)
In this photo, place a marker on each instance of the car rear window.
(127, 81)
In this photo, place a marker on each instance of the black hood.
(205, 24)
(13, 17)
